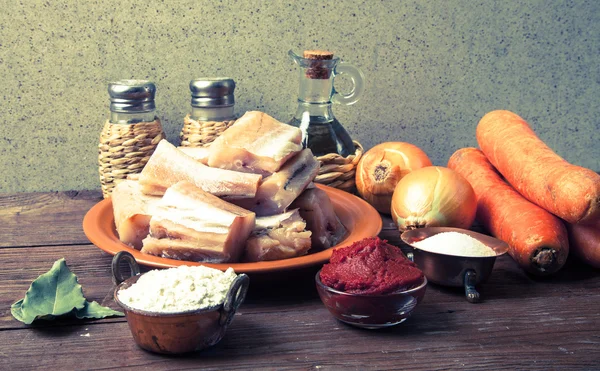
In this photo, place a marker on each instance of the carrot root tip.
(544, 260)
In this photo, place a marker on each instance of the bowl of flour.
(178, 310)
(454, 256)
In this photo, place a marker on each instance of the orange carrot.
(532, 168)
(585, 242)
(537, 239)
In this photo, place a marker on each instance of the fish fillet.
(131, 211)
(168, 165)
(191, 224)
(256, 143)
(199, 154)
(278, 191)
(316, 208)
(277, 237)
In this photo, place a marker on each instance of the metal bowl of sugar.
(454, 257)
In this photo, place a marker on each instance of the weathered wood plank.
(523, 323)
(466, 337)
(33, 219)
(92, 266)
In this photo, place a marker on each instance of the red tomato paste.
(370, 266)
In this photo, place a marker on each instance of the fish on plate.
(277, 191)
(276, 237)
(131, 209)
(255, 143)
(168, 166)
(315, 206)
(191, 224)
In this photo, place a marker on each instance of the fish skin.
(276, 237)
(131, 212)
(278, 191)
(316, 208)
(191, 224)
(255, 143)
(168, 165)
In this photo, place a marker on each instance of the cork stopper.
(321, 55)
(317, 70)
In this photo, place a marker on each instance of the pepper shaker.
(212, 111)
(132, 133)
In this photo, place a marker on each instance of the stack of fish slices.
(248, 197)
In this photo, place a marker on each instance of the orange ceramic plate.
(360, 218)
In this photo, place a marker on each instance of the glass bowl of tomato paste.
(370, 284)
(371, 311)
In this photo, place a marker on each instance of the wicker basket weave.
(124, 149)
(338, 171)
(201, 133)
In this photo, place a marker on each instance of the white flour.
(454, 243)
(178, 289)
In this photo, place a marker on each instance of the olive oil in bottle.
(321, 131)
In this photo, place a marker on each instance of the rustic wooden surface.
(523, 323)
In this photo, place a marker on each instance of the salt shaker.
(212, 111)
(132, 133)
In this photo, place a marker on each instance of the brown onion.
(433, 196)
(382, 167)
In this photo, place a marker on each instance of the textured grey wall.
(433, 69)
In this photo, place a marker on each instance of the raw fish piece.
(131, 211)
(168, 165)
(279, 190)
(191, 224)
(256, 143)
(316, 208)
(277, 237)
(199, 154)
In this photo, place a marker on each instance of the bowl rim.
(131, 280)
(500, 247)
(450, 256)
(330, 289)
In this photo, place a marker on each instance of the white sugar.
(454, 243)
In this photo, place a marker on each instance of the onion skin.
(433, 196)
(382, 167)
(584, 240)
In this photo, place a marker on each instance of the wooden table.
(523, 323)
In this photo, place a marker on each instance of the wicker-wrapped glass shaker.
(132, 133)
(212, 111)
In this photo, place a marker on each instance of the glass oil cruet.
(321, 131)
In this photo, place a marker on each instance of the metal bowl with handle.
(453, 270)
(178, 332)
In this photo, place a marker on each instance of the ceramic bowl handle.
(235, 297)
(358, 84)
(116, 266)
(470, 292)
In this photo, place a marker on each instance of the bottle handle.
(358, 86)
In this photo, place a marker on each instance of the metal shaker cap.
(131, 96)
(212, 92)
